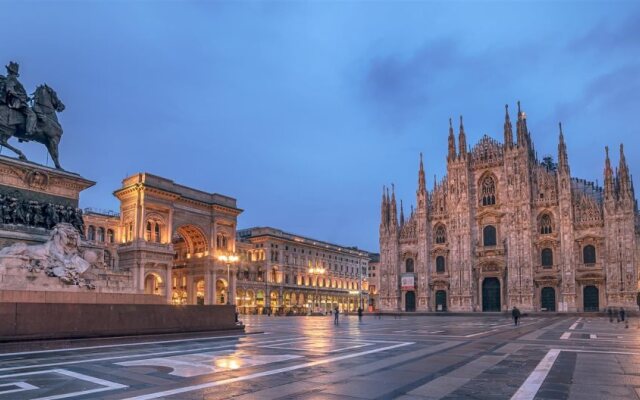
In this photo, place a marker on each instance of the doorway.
(548, 299)
(491, 294)
(410, 301)
(441, 300)
(591, 298)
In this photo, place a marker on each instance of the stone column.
(168, 284)
(214, 279)
(232, 291)
(207, 285)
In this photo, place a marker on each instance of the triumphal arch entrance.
(172, 237)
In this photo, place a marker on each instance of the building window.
(409, 265)
(488, 191)
(440, 264)
(441, 234)
(221, 242)
(158, 238)
(589, 254)
(107, 258)
(101, 234)
(489, 235)
(148, 234)
(547, 258)
(91, 233)
(130, 232)
(110, 236)
(545, 224)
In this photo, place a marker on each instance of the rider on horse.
(15, 97)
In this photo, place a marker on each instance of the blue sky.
(303, 110)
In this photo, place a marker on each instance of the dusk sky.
(303, 110)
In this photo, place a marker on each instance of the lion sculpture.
(59, 256)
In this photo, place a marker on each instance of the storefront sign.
(407, 282)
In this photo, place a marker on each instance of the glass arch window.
(589, 254)
(489, 235)
(409, 265)
(440, 264)
(441, 234)
(547, 257)
(488, 191)
(91, 233)
(545, 224)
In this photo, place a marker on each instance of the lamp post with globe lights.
(228, 259)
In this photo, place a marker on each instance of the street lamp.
(317, 272)
(228, 259)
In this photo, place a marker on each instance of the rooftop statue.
(29, 118)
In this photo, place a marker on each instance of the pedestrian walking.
(610, 313)
(359, 314)
(617, 312)
(622, 314)
(515, 313)
(336, 314)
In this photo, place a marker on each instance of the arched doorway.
(590, 298)
(221, 291)
(548, 299)
(152, 284)
(441, 300)
(491, 294)
(410, 301)
(200, 292)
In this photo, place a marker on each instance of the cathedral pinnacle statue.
(29, 118)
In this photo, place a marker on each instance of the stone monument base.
(29, 321)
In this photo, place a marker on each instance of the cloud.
(605, 38)
(398, 86)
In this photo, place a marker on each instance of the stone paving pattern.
(411, 357)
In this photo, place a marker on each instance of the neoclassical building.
(505, 229)
(170, 240)
(290, 272)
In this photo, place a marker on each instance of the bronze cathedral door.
(491, 294)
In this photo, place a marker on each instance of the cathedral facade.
(504, 229)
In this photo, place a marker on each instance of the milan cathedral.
(504, 229)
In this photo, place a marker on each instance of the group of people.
(336, 315)
(620, 315)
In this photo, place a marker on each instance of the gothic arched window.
(148, 235)
(589, 254)
(489, 235)
(110, 236)
(91, 233)
(100, 237)
(546, 257)
(440, 264)
(488, 191)
(441, 234)
(545, 224)
(409, 264)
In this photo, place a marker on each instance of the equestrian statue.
(29, 118)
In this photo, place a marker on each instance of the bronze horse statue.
(47, 130)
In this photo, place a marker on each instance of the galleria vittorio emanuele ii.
(505, 229)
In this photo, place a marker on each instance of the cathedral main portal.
(491, 294)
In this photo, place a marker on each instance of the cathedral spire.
(384, 209)
(609, 185)
(393, 209)
(452, 143)
(462, 140)
(623, 175)
(508, 130)
(563, 159)
(422, 186)
(521, 127)
(401, 214)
